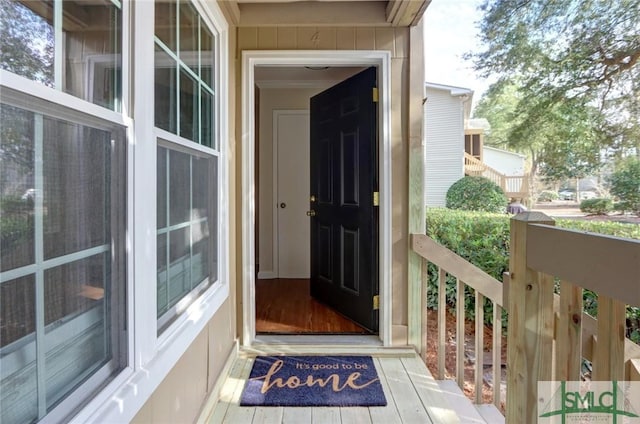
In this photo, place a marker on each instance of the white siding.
(507, 163)
(444, 144)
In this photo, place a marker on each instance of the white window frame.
(151, 357)
(72, 106)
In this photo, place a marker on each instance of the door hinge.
(376, 302)
(376, 198)
(375, 95)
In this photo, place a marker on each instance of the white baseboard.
(266, 275)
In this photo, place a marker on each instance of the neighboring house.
(454, 147)
(446, 109)
(128, 276)
(508, 163)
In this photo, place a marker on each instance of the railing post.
(530, 325)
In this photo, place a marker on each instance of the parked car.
(567, 194)
(588, 194)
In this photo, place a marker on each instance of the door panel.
(344, 175)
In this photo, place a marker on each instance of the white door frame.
(251, 59)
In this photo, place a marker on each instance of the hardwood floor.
(284, 306)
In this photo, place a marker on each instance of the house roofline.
(505, 151)
(455, 91)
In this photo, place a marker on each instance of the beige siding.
(180, 396)
(395, 40)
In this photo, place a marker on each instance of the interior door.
(292, 168)
(344, 177)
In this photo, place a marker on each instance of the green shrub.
(476, 194)
(597, 206)
(547, 196)
(625, 185)
(483, 239)
(479, 237)
(618, 229)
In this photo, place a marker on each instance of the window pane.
(18, 387)
(165, 91)
(188, 107)
(27, 41)
(179, 282)
(161, 181)
(93, 47)
(65, 298)
(189, 35)
(200, 232)
(76, 178)
(206, 101)
(189, 242)
(17, 189)
(166, 23)
(77, 319)
(179, 187)
(206, 56)
(163, 300)
(18, 316)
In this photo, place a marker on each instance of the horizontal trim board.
(362, 13)
(604, 264)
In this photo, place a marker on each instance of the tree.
(26, 42)
(625, 184)
(563, 55)
(562, 140)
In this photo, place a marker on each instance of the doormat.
(313, 381)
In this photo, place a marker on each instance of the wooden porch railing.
(548, 334)
(485, 286)
(513, 186)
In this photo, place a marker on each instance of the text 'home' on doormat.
(313, 381)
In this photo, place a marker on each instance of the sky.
(450, 31)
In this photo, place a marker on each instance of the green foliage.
(568, 79)
(483, 239)
(548, 196)
(618, 229)
(479, 237)
(625, 184)
(561, 137)
(476, 194)
(16, 221)
(27, 42)
(597, 206)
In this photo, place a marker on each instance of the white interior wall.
(273, 99)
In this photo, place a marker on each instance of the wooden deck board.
(388, 414)
(355, 415)
(413, 396)
(429, 392)
(406, 399)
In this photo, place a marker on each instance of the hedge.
(483, 239)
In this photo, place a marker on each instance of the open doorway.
(279, 289)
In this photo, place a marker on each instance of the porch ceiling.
(326, 12)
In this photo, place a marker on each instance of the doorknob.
(283, 205)
(311, 213)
